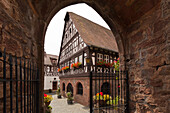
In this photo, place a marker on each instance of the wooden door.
(55, 85)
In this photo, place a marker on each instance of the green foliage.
(69, 96)
(113, 102)
(58, 91)
(49, 107)
(116, 65)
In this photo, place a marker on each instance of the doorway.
(55, 85)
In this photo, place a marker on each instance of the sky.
(54, 31)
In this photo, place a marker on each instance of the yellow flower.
(48, 98)
(106, 97)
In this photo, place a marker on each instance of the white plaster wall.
(48, 84)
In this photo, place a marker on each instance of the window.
(63, 86)
(77, 41)
(80, 58)
(80, 89)
(75, 59)
(70, 88)
(48, 69)
(70, 30)
(99, 57)
(106, 58)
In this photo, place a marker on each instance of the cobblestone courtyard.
(61, 106)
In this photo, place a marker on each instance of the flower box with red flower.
(59, 70)
(65, 69)
(77, 65)
(103, 64)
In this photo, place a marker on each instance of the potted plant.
(49, 109)
(69, 98)
(58, 93)
(47, 99)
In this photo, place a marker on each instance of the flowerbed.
(104, 99)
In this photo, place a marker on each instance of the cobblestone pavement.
(61, 106)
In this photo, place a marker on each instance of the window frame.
(80, 88)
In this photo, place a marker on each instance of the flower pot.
(100, 103)
(59, 96)
(69, 102)
(47, 103)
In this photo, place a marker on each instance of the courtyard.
(61, 106)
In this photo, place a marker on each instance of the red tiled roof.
(94, 34)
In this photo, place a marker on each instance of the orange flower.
(59, 70)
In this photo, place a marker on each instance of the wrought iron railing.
(19, 82)
(109, 92)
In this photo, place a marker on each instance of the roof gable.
(94, 34)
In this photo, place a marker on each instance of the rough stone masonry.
(141, 28)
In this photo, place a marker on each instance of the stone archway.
(141, 29)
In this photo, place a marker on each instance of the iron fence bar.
(27, 87)
(4, 83)
(91, 95)
(109, 91)
(10, 61)
(32, 90)
(24, 88)
(127, 93)
(30, 87)
(112, 86)
(115, 88)
(99, 91)
(21, 83)
(37, 91)
(121, 86)
(95, 74)
(124, 90)
(118, 87)
(16, 75)
(104, 82)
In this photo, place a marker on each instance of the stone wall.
(16, 35)
(149, 66)
(82, 99)
(140, 27)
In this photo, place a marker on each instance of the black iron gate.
(19, 82)
(109, 92)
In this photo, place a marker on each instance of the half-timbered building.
(83, 39)
(51, 78)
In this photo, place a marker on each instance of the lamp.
(88, 63)
(87, 60)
